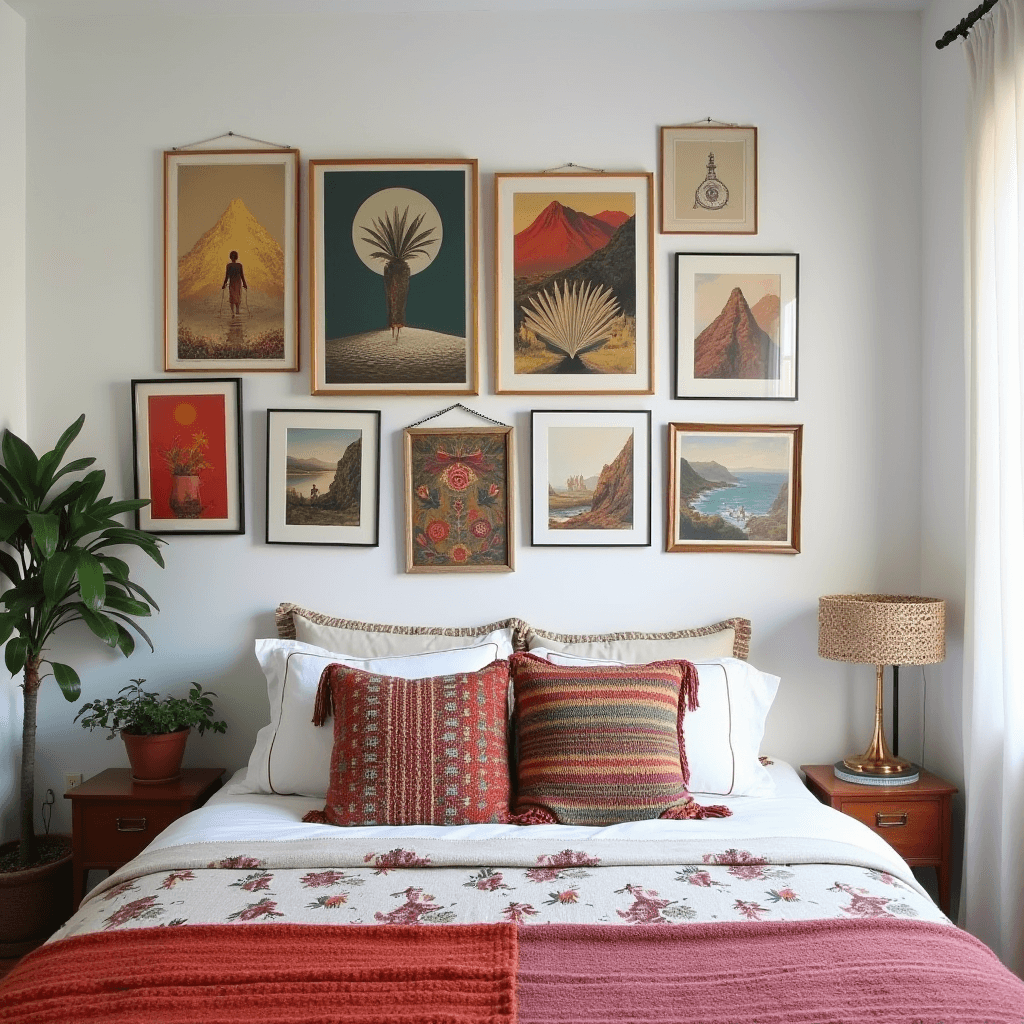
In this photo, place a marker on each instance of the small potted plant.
(154, 729)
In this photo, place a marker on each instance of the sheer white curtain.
(992, 904)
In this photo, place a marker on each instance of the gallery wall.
(837, 102)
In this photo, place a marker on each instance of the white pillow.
(723, 736)
(293, 756)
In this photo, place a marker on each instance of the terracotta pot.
(155, 758)
(34, 903)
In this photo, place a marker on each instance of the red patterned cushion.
(416, 751)
(599, 745)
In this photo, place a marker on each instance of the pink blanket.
(877, 971)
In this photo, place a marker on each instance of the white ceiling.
(240, 8)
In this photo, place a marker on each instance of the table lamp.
(880, 630)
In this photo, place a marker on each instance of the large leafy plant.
(61, 570)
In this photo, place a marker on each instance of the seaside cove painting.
(734, 487)
(231, 282)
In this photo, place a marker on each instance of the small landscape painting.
(188, 456)
(321, 476)
(231, 288)
(734, 487)
(736, 327)
(591, 478)
(573, 283)
(394, 276)
(459, 505)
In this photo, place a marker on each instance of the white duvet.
(246, 857)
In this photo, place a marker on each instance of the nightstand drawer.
(911, 827)
(114, 833)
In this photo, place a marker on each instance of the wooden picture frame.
(323, 476)
(734, 487)
(737, 325)
(394, 276)
(574, 284)
(590, 473)
(459, 500)
(187, 438)
(221, 313)
(709, 179)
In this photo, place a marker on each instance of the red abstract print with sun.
(459, 499)
(188, 440)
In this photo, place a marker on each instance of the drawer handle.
(131, 824)
(890, 820)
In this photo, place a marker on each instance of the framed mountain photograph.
(574, 284)
(734, 487)
(591, 474)
(323, 476)
(393, 256)
(187, 436)
(459, 506)
(231, 282)
(736, 325)
(709, 179)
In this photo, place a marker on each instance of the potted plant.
(56, 560)
(154, 730)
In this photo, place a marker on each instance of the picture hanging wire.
(456, 405)
(573, 167)
(707, 120)
(233, 135)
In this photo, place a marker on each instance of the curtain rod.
(966, 24)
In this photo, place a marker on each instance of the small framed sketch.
(323, 476)
(459, 505)
(574, 284)
(734, 487)
(591, 474)
(231, 282)
(188, 455)
(736, 325)
(394, 276)
(709, 180)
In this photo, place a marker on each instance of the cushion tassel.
(534, 816)
(323, 706)
(316, 818)
(692, 809)
(687, 702)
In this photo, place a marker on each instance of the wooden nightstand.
(914, 820)
(113, 818)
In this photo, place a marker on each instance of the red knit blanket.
(270, 974)
(876, 971)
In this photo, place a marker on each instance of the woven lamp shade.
(882, 629)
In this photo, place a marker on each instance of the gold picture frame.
(709, 180)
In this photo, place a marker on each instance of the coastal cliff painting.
(573, 283)
(322, 476)
(591, 474)
(230, 260)
(734, 487)
(736, 325)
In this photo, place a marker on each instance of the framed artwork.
(323, 476)
(591, 475)
(231, 242)
(574, 295)
(734, 487)
(459, 506)
(736, 325)
(394, 276)
(188, 455)
(709, 180)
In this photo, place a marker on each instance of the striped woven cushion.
(598, 745)
(416, 751)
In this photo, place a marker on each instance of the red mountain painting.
(733, 345)
(560, 237)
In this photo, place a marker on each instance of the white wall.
(13, 413)
(943, 451)
(836, 98)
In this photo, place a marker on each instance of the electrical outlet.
(72, 779)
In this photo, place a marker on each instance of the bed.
(778, 910)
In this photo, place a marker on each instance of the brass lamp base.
(878, 759)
